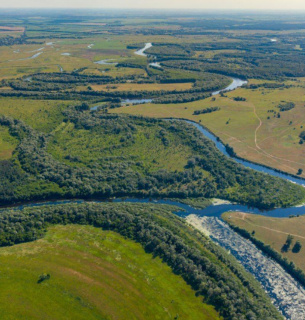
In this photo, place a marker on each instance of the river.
(236, 82)
(220, 146)
(141, 52)
(29, 58)
(106, 62)
(286, 294)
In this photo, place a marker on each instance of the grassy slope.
(277, 139)
(42, 115)
(273, 231)
(95, 274)
(95, 145)
(7, 143)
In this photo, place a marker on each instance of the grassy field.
(7, 143)
(245, 124)
(143, 87)
(42, 115)
(95, 274)
(16, 61)
(95, 146)
(273, 231)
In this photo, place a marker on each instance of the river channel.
(286, 294)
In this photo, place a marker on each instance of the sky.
(162, 4)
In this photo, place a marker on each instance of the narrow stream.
(140, 52)
(29, 58)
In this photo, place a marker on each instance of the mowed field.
(245, 126)
(94, 274)
(273, 231)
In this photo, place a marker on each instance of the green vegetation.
(286, 106)
(281, 238)
(7, 143)
(41, 115)
(207, 110)
(199, 203)
(90, 273)
(139, 158)
(254, 129)
(54, 68)
(147, 148)
(208, 269)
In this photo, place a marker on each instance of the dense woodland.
(63, 86)
(210, 271)
(34, 173)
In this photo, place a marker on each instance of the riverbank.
(287, 294)
(270, 236)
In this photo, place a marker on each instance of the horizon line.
(162, 9)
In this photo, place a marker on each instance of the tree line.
(33, 173)
(203, 265)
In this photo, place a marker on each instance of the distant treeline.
(64, 86)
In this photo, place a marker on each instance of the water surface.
(141, 51)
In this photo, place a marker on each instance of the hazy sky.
(176, 4)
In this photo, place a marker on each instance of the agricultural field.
(94, 274)
(274, 232)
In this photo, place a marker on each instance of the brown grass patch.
(143, 87)
(19, 29)
(273, 231)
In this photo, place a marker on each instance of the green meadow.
(94, 274)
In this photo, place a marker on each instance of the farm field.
(273, 232)
(245, 125)
(94, 274)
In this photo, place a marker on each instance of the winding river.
(236, 82)
(286, 294)
(141, 52)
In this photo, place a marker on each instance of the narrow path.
(270, 229)
(258, 147)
